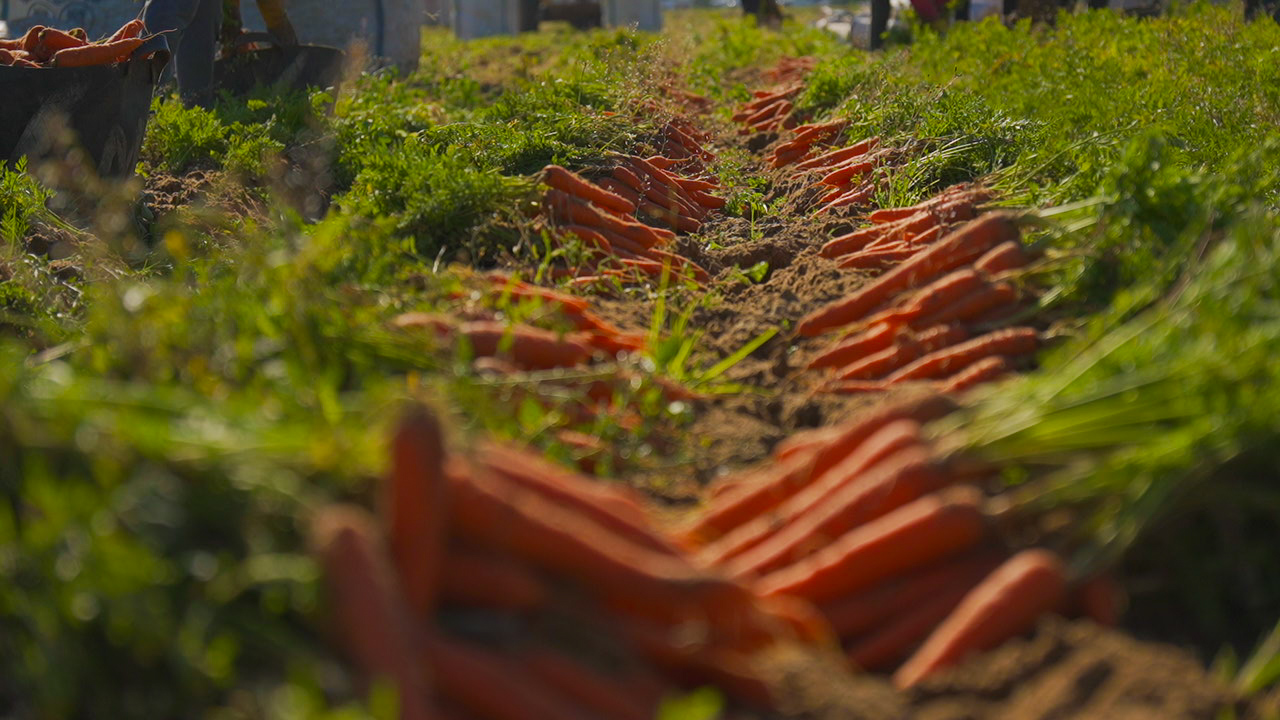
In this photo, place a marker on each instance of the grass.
(167, 422)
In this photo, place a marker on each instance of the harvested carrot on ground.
(983, 371)
(904, 351)
(842, 176)
(1007, 256)
(965, 244)
(470, 578)
(415, 508)
(370, 613)
(862, 613)
(1005, 343)
(927, 530)
(873, 339)
(836, 157)
(972, 306)
(933, 297)
(884, 443)
(890, 643)
(491, 686)
(897, 480)
(877, 259)
(529, 347)
(1006, 604)
(603, 697)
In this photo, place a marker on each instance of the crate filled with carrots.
(46, 47)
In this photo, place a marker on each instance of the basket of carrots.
(63, 90)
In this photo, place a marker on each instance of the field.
(350, 406)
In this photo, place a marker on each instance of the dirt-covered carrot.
(369, 610)
(52, 40)
(821, 132)
(571, 210)
(31, 39)
(621, 190)
(668, 217)
(980, 372)
(1007, 256)
(854, 196)
(415, 508)
(611, 507)
(1005, 604)
(863, 612)
(90, 55)
(603, 697)
(843, 175)
(524, 290)
(470, 578)
(662, 179)
(942, 363)
(131, 29)
(708, 201)
(877, 259)
(968, 243)
(972, 306)
(904, 351)
(927, 530)
(836, 157)
(488, 685)
(887, 441)
(851, 242)
(6, 57)
(529, 347)
(901, 478)
(873, 339)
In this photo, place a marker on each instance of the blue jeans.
(192, 27)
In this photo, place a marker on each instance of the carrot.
(891, 438)
(926, 530)
(488, 685)
(415, 508)
(698, 664)
(863, 612)
(980, 372)
(877, 259)
(927, 237)
(370, 614)
(711, 202)
(670, 218)
(31, 40)
(662, 179)
(604, 697)
(692, 185)
(569, 209)
(1006, 604)
(835, 157)
(935, 296)
(1102, 599)
(471, 578)
(524, 290)
(877, 365)
(529, 347)
(900, 478)
(612, 508)
(132, 29)
(877, 337)
(843, 175)
(563, 180)
(1011, 341)
(823, 132)
(1007, 256)
(6, 57)
(972, 306)
(851, 242)
(853, 197)
(620, 189)
(89, 55)
(961, 246)
(890, 643)
(52, 40)
(509, 519)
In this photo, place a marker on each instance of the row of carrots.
(467, 545)
(43, 47)
(897, 547)
(604, 216)
(773, 110)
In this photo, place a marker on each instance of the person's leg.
(194, 59)
(879, 22)
(751, 7)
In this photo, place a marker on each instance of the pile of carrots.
(495, 585)
(44, 47)
(773, 110)
(934, 316)
(603, 216)
(896, 546)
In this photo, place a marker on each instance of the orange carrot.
(1006, 604)
(1006, 256)
(620, 189)
(415, 508)
(877, 337)
(961, 246)
(890, 439)
(852, 242)
(877, 259)
(670, 218)
(569, 209)
(890, 643)
(711, 202)
(52, 40)
(611, 507)
(935, 296)
(973, 306)
(89, 55)
(1102, 599)
(863, 612)
(131, 29)
(1011, 341)
(603, 697)
(841, 176)
(660, 178)
(6, 57)
(924, 531)
(836, 156)
(823, 132)
(488, 685)
(31, 40)
(980, 372)
(370, 614)
(901, 478)
(904, 351)
(523, 290)
(470, 578)
(529, 347)
(853, 197)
